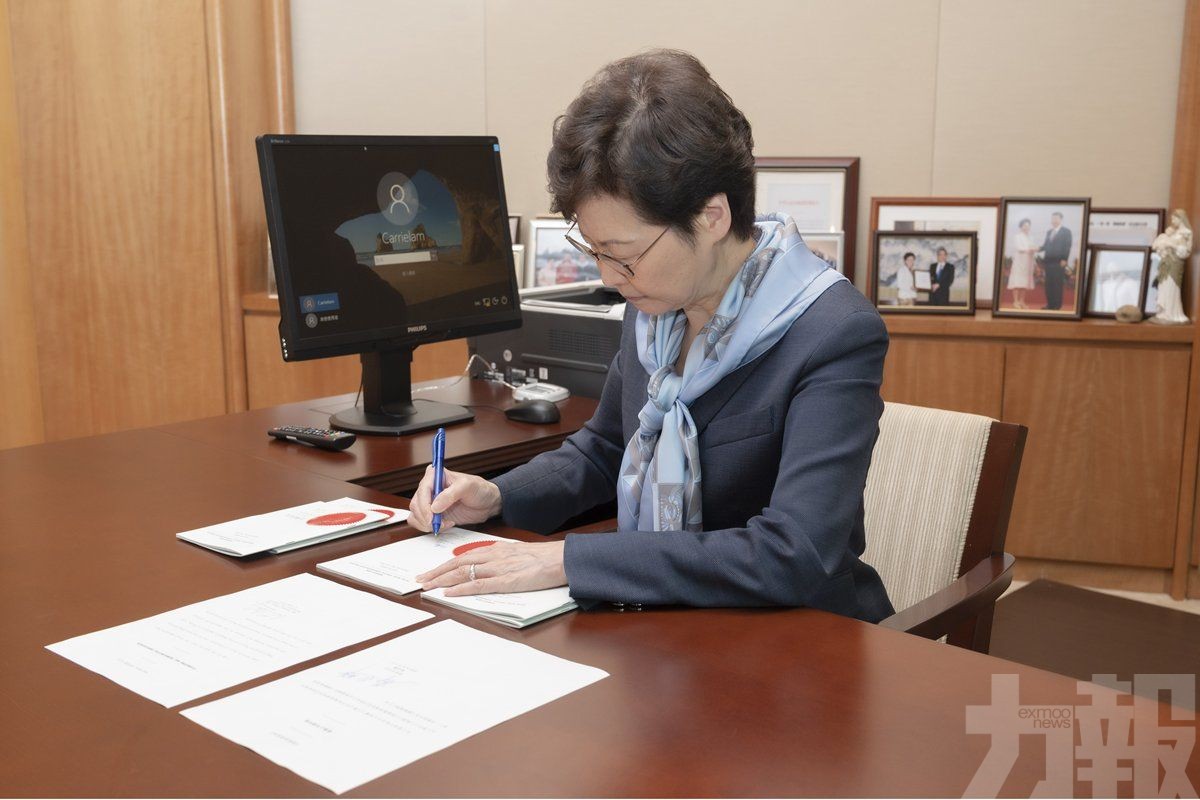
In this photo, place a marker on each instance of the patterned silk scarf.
(659, 483)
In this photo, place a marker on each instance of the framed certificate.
(820, 194)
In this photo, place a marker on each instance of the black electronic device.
(314, 437)
(538, 412)
(381, 244)
(568, 336)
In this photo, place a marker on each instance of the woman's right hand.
(465, 499)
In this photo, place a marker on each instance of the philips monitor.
(381, 244)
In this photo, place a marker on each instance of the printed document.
(205, 647)
(393, 567)
(289, 528)
(350, 721)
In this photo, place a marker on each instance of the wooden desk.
(395, 464)
(699, 702)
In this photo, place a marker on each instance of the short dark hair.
(943, 250)
(1024, 222)
(656, 130)
(1056, 214)
(907, 256)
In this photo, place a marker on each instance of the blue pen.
(439, 453)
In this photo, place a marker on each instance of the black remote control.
(314, 437)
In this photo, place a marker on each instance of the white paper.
(923, 279)
(305, 524)
(205, 647)
(344, 723)
(517, 609)
(394, 567)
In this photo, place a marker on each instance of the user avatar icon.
(397, 197)
(397, 194)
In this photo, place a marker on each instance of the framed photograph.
(978, 214)
(1118, 276)
(514, 228)
(1131, 226)
(272, 289)
(827, 247)
(550, 259)
(929, 272)
(519, 264)
(1040, 269)
(820, 194)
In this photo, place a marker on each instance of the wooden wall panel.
(242, 101)
(1185, 194)
(1100, 476)
(20, 389)
(954, 375)
(114, 121)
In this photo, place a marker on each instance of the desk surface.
(699, 702)
(394, 464)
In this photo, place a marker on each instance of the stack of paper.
(199, 649)
(515, 609)
(394, 567)
(290, 528)
(349, 721)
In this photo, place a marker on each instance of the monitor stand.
(388, 408)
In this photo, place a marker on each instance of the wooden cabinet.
(1104, 484)
(271, 381)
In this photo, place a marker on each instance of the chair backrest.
(920, 500)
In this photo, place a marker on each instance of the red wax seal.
(466, 548)
(387, 512)
(343, 518)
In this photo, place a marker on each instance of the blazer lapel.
(707, 405)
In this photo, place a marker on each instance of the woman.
(740, 481)
(906, 282)
(1020, 275)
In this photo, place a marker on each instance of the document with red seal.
(290, 528)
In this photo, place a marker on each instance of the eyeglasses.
(626, 267)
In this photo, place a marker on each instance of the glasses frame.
(625, 266)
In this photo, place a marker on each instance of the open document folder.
(290, 528)
(394, 567)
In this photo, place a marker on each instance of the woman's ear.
(715, 218)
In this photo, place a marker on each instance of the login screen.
(386, 236)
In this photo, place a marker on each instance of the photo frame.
(820, 194)
(1131, 226)
(827, 246)
(979, 214)
(1041, 266)
(272, 287)
(924, 272)
(550, 259)
(1137, 227)
(1118, 276)
(518, 251)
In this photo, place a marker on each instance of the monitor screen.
(387, 241)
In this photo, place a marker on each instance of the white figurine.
(1173, 246)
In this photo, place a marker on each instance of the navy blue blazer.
(785, 442)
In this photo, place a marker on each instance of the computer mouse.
(539, 412)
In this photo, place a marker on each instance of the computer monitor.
(383, 243)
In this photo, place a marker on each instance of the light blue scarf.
(778, 283)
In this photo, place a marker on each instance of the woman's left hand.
(501, 567)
